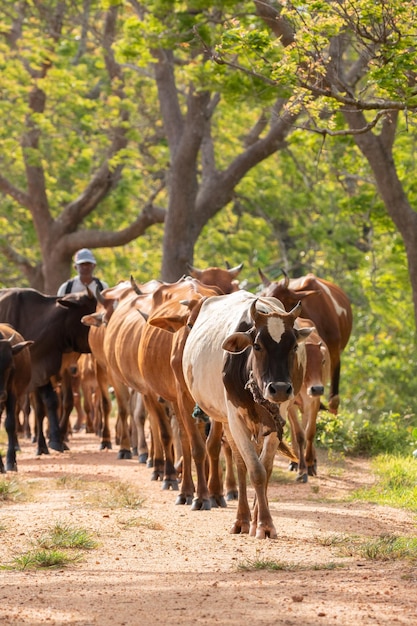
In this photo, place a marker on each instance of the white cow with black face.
(242, 359)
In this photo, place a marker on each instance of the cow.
(107, 302)
(224, 279)
(308, 403)
(243, 358)
(114, 342)
(159, 360)
(15, 374)
(54, 325)
(329, 308)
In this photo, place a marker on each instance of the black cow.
(15, 372)
(54, 324)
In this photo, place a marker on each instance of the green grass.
(60, 546)
(10, 490)
(388, 547)
(116, 495)
(396, 483)
(42, 559)
(141, 522)
(64, 536)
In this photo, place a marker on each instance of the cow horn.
(193, 271)
(286, 278)
(266, 282)
(99, 297)
(135, 286)
(90, 293)
(10, 339)
(253, 310)
(296, 311)
(234, 271)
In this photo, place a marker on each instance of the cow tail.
(285, 450)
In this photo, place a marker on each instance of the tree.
(353, 60)
(61, 154)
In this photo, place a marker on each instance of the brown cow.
(308, 401)
(115, 346)
(160, 364)
(329, 308)
(263, 367)
(15, 375)
(224, 279)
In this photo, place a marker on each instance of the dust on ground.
(163, 564)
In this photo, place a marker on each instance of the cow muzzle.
(278, 392)
(316, 390)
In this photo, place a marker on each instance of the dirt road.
(162, 564)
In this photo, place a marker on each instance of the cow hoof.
(232, 495)
(149, 463)
(157, 475)
(58, 446)
(302, 478)
(2, 470)
(183, 499)
(293, 466)
(124, 454)
(42, 450)
(105, 445)
(33, 440)
(17, 448)
(11, 467)
(170, 483)
(201, 504)
(143, 458)
(218, 501)
(134, 451)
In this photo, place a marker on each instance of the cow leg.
(193, 447)
(298, 442)
(310, 424)
(241, 525)
(334, 385)
(269, 449)
(229, 478)
(262, 526)
(158, 409)
(139, 417)
(122, 398)
(67, 404)
(215, 482)
(10, 425)
(50, 400)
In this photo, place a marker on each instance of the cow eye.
(256, 346)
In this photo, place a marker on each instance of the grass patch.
(10, 490)
(396, 483)
(71, 481)
(251, 565)
(116, 495)
(64, 536)
(383, 548)
(141, 522)
(42, 559)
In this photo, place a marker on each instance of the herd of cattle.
(231, 366)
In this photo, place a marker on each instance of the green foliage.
(396, 483)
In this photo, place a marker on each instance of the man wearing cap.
(84, 263)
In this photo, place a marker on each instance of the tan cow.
(308, 402)
(328, 306)
(159, 360)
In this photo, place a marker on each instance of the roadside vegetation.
(60, 546)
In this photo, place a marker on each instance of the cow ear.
(95, 319)
(303, 333)
(18, 347)
(170, 323)
(237, 343)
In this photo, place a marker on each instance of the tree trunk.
(377, 149)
